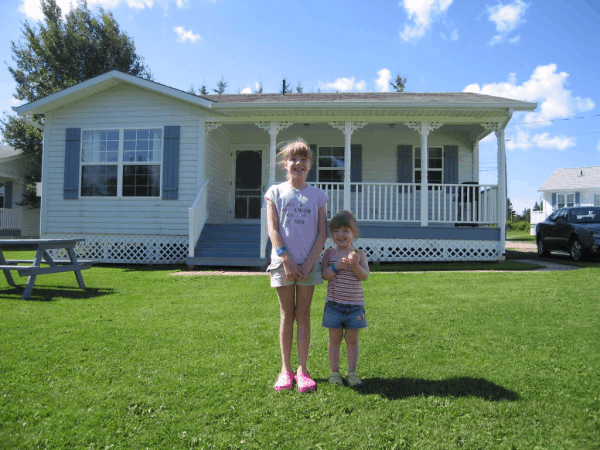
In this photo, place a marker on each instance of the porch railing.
(401, 202)
(538, 216)
(198, 214)
(10, 219)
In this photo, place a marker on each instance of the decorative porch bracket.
(498, 130)
(347, 128)
(424, 128)
(273, 128)
(209, 126)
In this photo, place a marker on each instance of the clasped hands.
(294, 271)
(353, 260)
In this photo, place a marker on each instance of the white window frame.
(120, 163)
(565, 196)
(429, 170)
(319, 168)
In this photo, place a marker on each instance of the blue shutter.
(356, 165)
(554, 201)
(405, 160)
(312, 173)
(170, 186)
(450, 164)
(577, 199)
(72, 148)
(8, 188)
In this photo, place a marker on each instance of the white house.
(15, 221)
(148, 173)
(577, 186)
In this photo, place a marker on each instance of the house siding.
(218, 169)
(121, 106)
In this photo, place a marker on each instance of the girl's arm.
(328, 274)
(360, 265)
(319, 243)
(291, 269)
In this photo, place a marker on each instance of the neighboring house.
(15, 221)
(148, 173)
(578, 186)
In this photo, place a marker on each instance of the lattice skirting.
(427, 249)
(126, 248)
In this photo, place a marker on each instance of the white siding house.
(15, 220)
(577, 186)
(148, 173)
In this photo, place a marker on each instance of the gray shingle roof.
(573, 179)
(365, 97)
(7, 151)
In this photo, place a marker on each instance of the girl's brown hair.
(297, 147)
(344, 219)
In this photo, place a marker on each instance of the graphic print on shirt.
(295, 212)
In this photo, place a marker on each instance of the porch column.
(273, 128)
(202, 132)
(498, 129)
(476, 161)
(424, 128)
(347, 128)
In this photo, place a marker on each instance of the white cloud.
(422, 13)
(186, 35)
(523, 140)
(383, 81)
(547, 87)
(506, 18)
(33, 11)
(246, 90)
(344, 85)
(515, 40)
(451, 31)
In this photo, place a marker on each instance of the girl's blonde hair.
(297, 147)
(344, 219)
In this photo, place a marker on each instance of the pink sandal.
(305, 382)
(285, 381)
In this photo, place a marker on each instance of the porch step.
(228, 245)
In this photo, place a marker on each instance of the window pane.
(331, 175)
(95, 145)
(434, 176)
(435, 153)
(141, 180)
(570, 199)
(99, 181)
(338, 151)
(324, 161)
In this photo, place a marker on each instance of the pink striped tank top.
(345, 287)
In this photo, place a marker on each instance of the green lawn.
(523, 236)
(144, 359)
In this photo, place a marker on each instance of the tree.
(192, 90)
(55, 55)
(510, 212)
(299, 88)
(526, 215)
(259, 89)
(286, 86)
(399, 84)
(538, 206)
(221, 86)
(203, 89)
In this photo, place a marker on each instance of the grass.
(522, 236)
(143, 359)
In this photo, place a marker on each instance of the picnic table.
(42, 256)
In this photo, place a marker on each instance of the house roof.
(573, 179)
(6, 151)
(251, 106)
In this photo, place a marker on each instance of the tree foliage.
(285, 88)
(56, 54)
(221, 86)
(399, 84)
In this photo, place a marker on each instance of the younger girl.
(344, 267)
(297, 221)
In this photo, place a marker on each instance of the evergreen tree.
(399, 84)
(54, 55)
(299, 88)
(203, 89)
(510, 212)
(288, 89)
(192, 90)
(259, 89)
(221, 86)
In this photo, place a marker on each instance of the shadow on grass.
(43, 293)
(398, 388)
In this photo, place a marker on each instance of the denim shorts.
(339, 315)
(278, 277)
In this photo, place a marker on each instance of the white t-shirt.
(298, 213)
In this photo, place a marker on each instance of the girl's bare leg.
(286, 325)
(351, 337)
(304, 296)
(335, 340)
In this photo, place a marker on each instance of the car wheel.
(541, 248)
(576, 250)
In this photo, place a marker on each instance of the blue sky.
(538, 51)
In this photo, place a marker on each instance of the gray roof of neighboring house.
(572, 179)
(6, 151)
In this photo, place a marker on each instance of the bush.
(518, 226)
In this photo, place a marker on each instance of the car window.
(564, 214)
(586, 215)
(553, 216)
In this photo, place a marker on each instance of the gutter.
(361, 105)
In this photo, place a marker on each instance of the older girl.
(297, 223)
